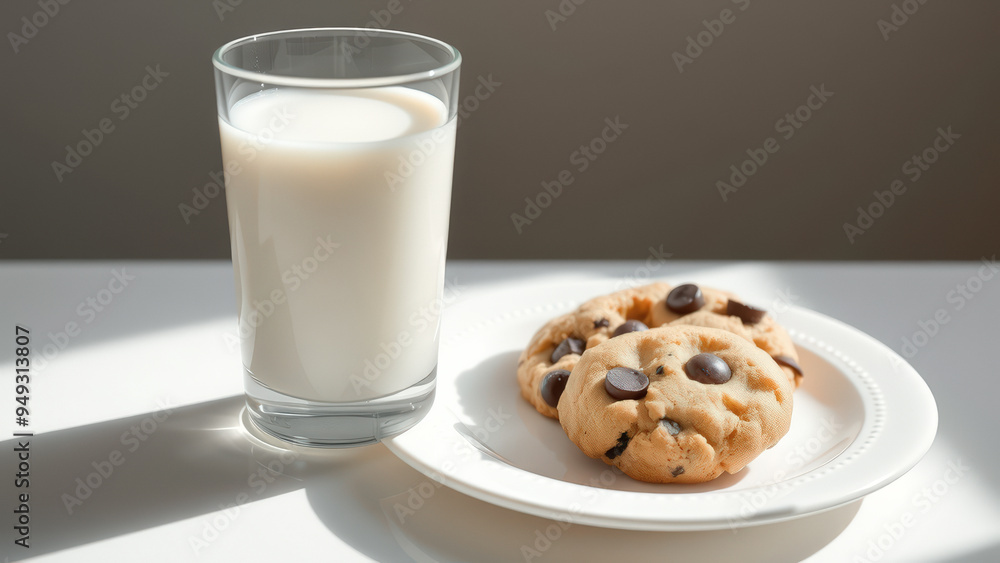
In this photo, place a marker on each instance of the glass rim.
(374, 81)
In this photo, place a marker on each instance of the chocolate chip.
(626, 383)
(553, 386)
(659, 370)
(602, 323)
(618, 448)
(685, 299)
(630, 326)
(679, 470)
(708, 369)
(748, 314)
(790, 362)
(672, 426)
(568, 346)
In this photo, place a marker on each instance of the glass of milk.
(338, 147)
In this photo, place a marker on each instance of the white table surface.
(164, 345)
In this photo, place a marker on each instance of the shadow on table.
(112, 478)
(450, 527)
(162, 296)
(979, 555)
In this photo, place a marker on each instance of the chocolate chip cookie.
(676, 404)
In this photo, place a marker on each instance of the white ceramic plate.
(862, 418)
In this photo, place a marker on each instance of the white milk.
(338, 215)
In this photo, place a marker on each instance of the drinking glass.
(338, 147)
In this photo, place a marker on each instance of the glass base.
(336, 425)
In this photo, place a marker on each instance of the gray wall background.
(655, 186)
